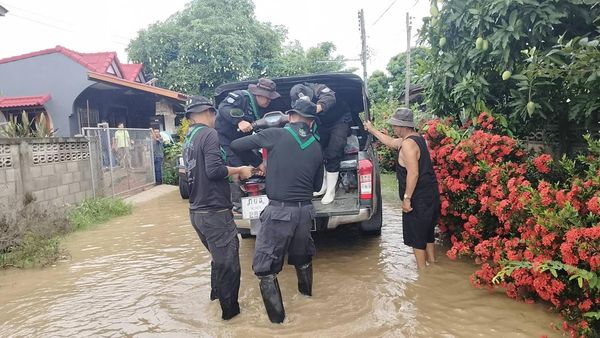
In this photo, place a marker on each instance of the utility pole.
(407, 85)
(363, 38)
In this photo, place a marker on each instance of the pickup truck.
(358, 195)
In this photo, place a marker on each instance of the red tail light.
(365, 179)
(253, 189)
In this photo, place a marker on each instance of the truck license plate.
(252, 206)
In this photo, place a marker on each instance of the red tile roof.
(131, 70)
(23, 101)
(95, 62)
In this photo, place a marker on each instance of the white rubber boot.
(331, 185)
(323, 187)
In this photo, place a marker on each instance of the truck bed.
(344, 204)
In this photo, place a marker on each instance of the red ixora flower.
(541, 163)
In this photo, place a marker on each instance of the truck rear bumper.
(363, 215)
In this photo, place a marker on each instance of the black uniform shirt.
(334, 109)
(206, 170)
(293, 174)
(235, 104)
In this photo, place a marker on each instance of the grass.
(389, 188)
(95, 211)
(32, 238)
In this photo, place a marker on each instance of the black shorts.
(418, 226)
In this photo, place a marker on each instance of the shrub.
(528, 219)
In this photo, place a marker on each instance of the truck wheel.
(372, 226)
(184, 189)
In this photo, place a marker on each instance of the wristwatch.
(406, 197)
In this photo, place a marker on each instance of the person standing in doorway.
(294, 170)
(210, 202)
(159, 154)
(417, 184)
(123, 143)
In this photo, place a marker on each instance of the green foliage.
(25, 128)
(294, 60)
(554, 267)
(548, 46)
(33, 250)
(30, 237)
(97, 210)
(383, 87)
(172, 153)
(210, 42)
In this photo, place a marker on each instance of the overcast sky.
(108, 25)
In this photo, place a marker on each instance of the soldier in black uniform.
(210, 202)
(294, 171)
(333, 127)
(236, 113)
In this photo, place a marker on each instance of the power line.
(72, 27)
(382, 14)
(57, 27)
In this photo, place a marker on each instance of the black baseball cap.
(304, 108)
(198, 104)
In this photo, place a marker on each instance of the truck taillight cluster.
(365, 179)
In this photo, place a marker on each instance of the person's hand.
(245, 172)
(319, 108)
(368, 126)
(245, 126)
(406, 205)
(262, 169)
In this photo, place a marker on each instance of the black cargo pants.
(285, 230)
(333, 141)
(218, 233)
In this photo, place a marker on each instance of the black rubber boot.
(230, 308)
(271, 294)
(305, 279)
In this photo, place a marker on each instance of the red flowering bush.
(532, 222)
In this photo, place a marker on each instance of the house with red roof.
(77, 90)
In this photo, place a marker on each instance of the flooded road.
(147, 275)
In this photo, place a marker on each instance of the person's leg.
(222, 240)
(158, 170)
(430, 249)
(271, 245)
(196, 221)
(421, 257)
(333, 154)
(302, 249)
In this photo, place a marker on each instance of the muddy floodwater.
(147, 275)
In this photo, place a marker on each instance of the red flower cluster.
(496, 208)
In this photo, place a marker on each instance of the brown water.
(147, 275)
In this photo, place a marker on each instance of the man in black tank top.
(417, 184)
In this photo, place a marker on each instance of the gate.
(127, 159)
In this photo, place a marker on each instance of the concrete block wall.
(54, 171)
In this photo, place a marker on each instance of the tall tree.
(294, 60)
(208, 43)
(528, 59)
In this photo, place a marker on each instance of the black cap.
(198, 104)
(301, 91)
(304, 108)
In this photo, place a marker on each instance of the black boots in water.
(305, 279)
(230, 308)
(271, 294)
